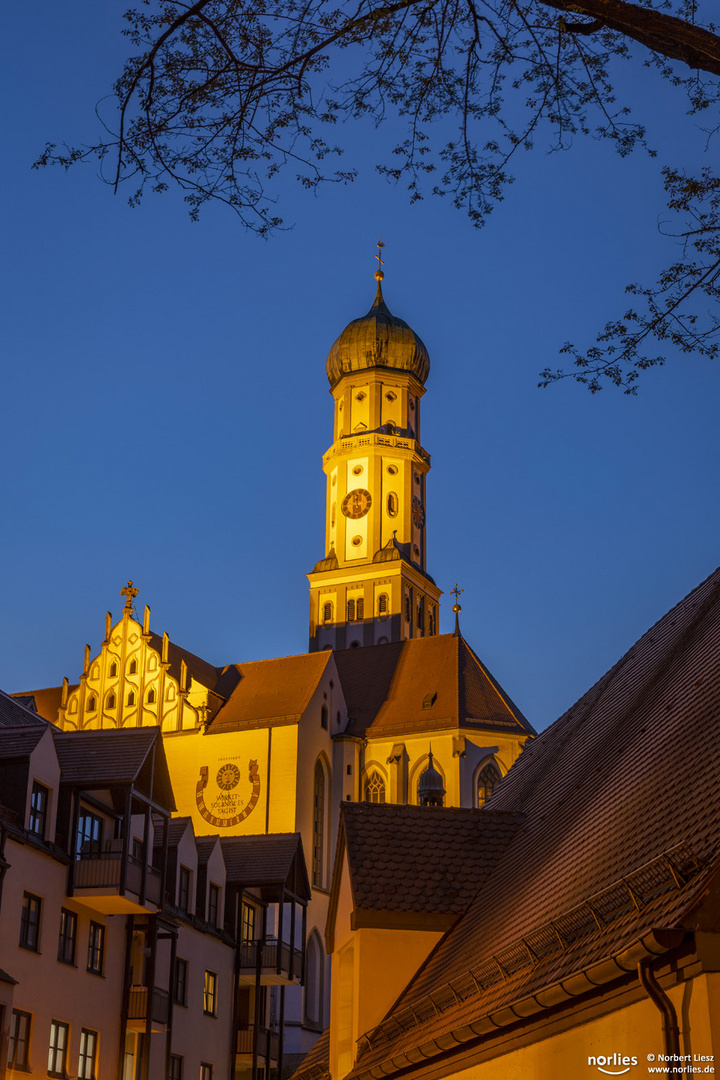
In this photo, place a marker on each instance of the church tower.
(372, 586)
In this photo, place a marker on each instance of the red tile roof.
(271, 692)
(386, 687)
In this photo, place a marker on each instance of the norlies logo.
(614, 1064)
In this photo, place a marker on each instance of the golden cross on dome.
(457, 593)
(379, 275)
(129, 593)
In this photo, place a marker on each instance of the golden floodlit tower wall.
(372, 586)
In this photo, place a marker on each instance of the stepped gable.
(424, 684)
(199, 669)
(622, 797)
(270, 692)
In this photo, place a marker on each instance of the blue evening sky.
(166, 406)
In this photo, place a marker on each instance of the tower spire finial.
(457, 593)
(379, 275)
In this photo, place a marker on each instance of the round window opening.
(392, 469)
(357, 470)
(416, 549)
(360, 396)
(356, 540)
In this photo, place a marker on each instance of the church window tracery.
(488, 779)
(318, 824)
(374, 788)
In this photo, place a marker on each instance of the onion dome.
(378, 340)
(431, 789)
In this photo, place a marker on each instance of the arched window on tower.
(392, 504)
(360, 609)
(421, 613)
(383, 605)
(374, 788)
(318, 824)
(351, 610)
(327, 611)
(488, 779)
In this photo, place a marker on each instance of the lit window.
(180, 981)
(19, 1046)
(57, 1052)
(488, 779)
(374, 789)
(68, 935)
(30, 922)
(175, 1067)
(318, 824)
(184, 889)
(213, 904)
(89, 834)
(87, 1061)
(96, 948)
(38, 810)
(248, 924)
(210, 993)
(327, 611)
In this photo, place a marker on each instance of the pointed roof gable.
(273, 861)
(17, 713)
(424, 684)
(415, 859)
(622, 797)
(100, 758)
(271, 692)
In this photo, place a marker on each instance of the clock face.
(356, 503)
(418, 513)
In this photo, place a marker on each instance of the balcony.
(138, 1008)
(98, 877)
(279, 964)
(266, 1040)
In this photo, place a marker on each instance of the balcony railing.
(138, 1004)
(103, 870)
(265, 1037)
(270, 953)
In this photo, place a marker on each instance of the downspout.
(671, 1031)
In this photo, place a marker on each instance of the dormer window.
(38, 810)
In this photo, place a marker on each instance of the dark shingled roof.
(205, 847)
(17, 713)
(415, 858)
(98, 758)
(622, 796)
(266, 860)
(386, 686)
(270, 691)
(20, 742)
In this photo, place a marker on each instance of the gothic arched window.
(488, 779)
(111, 701)
(113, 668)
(131, 698)
(133, 667)
(151, 697)
(318, 824)
(374, 788)
(92, 704)
(314, 965)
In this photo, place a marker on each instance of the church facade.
(380, 700)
